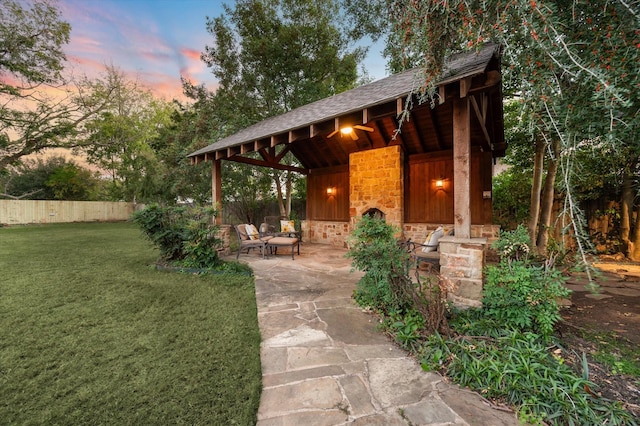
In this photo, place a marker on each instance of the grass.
(91, 334)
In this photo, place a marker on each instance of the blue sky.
(155, 41)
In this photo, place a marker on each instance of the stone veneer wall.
(462, 264)
(225, 235)
(326, 232)
(376, 180)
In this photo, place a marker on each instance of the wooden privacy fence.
(20, 212)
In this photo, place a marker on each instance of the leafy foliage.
(375, 251)
(513, 245)
(184, 235)
(40, 108)
(524, 297)
(518, 294)
(119, 140)
(52, 179)
(518, 368)
(411, 308)
(511, 198)
(33, 41)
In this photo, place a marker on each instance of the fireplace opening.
(374, 214)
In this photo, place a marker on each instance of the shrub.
(524, 297)
(519, 294)
(375, 251)
(185, 236)
(414, 308)
(513, 245)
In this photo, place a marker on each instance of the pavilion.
(377, 148)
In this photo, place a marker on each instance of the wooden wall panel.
(424, 203)
(322, 206)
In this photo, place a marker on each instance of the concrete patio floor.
(324, 362)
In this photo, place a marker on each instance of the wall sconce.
(439, 183)
(331, 191)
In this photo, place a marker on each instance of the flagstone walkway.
(325, 363)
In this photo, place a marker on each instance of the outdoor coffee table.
(276, 242)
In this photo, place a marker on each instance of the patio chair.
(248, 242)
(429, 252)
(266, 231)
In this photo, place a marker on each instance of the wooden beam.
(492, 78)
(481, 114)
(436, 128)
(269, 164)
(313, 130)
(298, 134)
(442, 95)
(465, 85)
(462, 168)
(399, 106)
(245, 148)
(262, 143)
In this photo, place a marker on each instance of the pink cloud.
(191, 53)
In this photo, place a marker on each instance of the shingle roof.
(381, 91)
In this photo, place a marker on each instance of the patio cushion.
(282, 241)
(252, 232)
(287, 226)
(432, 240)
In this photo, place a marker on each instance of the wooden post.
(216, 188)
(461, 168)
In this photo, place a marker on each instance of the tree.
(573, 66)
(39, 108)
(271, 56)
(192, 126)
(119, 139)
(55, 178)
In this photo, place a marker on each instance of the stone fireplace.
(374, 214)
(376, 182)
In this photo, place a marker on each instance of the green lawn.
(91, 334)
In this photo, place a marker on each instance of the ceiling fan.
(349, 130)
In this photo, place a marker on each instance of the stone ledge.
(457, 240)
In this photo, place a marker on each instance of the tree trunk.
(288, 193)
(634, 243)
(281, 206)
(548, 196)
(534, 211)
(626, 209)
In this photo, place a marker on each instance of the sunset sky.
(156, 41)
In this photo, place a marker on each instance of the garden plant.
(186, 236)
(507, 350)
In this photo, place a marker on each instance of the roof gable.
(357, 102)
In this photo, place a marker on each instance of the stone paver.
(325, 363)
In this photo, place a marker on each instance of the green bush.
(518, 294)
(524, 297)
(513, 245)
(375, 251)
(185, 236)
